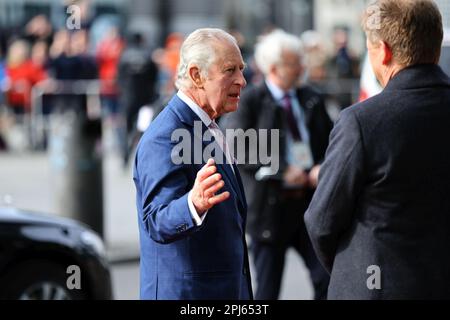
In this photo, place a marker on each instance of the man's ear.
(194, 74)
(273, 69)
(387, 53)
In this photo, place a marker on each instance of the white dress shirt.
(278, 94)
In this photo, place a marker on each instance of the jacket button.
(266, 234)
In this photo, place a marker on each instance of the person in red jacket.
(108, 55)
(23, 74)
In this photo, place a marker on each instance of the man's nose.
(241, 79)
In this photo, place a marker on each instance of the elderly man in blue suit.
(192, 213)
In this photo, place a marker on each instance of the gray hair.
(198, 50)
(412, 29)
(269, 50)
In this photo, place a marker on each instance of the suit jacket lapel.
(229, 176)
(233, 179)
(241, 187)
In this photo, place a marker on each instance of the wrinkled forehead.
(287, 53)
(227, 52)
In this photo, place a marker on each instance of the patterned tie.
(292, 123)
(222, 142)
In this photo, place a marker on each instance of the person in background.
(167, 59)
(108, 55)
(38, 29)
(277, 202)
(315, 59)
(23, 74)
(342, 69)
(137, 83)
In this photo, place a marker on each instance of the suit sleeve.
(341, 179)
(164, 188)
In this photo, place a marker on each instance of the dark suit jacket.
(258, 110)
(383, 196)
(180, 260)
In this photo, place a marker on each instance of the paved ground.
(28, 178)
(296, 285)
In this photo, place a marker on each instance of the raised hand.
(207, 183)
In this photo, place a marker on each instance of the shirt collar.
(195, 108)
(277, 93)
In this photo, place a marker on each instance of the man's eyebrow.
(232, 64)
(228, 65)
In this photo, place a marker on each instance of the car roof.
(15, 215)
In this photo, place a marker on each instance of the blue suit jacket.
(180, 260)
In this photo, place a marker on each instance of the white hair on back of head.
(311, 38)
(269, 50)
(198, 49)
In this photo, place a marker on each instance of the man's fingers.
(210, 181)
(206, 171)
(209, 163)
(219, 198)
(216, 187)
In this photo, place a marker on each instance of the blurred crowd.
(52, 62)
(132, 73)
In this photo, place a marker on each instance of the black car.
(50, 258)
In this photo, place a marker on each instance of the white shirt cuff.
(198, 221)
